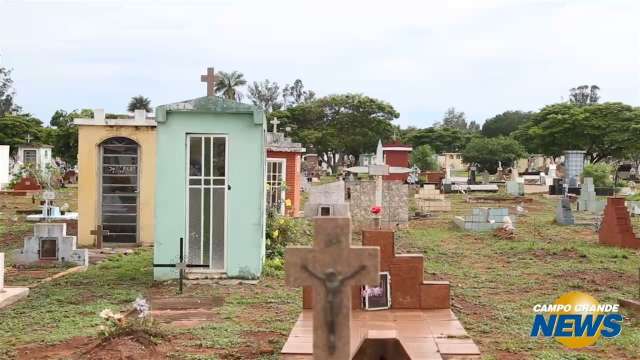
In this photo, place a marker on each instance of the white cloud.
(483, 57)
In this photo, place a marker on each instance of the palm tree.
(226, 83)
(139, 103)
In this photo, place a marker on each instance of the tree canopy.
(346, 123)
(424, 158)
(602, 130)
(486, 152)
(227, 84)
(504, 124)
(265, 95)
(442, 139)
(14, 130)
(7, 93)
(584, 95)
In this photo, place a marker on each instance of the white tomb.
(50, 242)
(9, 295)
(37, 155)
(4, 166)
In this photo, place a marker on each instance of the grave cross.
(181, 266)
(210, 79)
(99, 234)
(28, 138)
(332, 267)
(275, 123)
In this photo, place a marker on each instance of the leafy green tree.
(295, 94)
(442, 139)
(600, 172)
(14, 130)
(602, 130)
(504, 124)
(584, 95)
(424, 157)
(473, 126)
(347, 123)
(139, 103)
(227, 84)
(265, 95)
(454, 119)
(486, 152)
(6, 92)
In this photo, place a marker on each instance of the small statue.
(332, 284)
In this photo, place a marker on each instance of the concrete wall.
(4, 166)
(89, 140)
(395, 202)
(245, 244)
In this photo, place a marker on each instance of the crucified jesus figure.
(332, 282)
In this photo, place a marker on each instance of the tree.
(453, 119)
(442, 139)
(295, 94)
(347, 123)
(504, 124)
(473, 126)
(486, 152)
(424, 157)
(7, 93)
(64, 137)
(584, 95)
(139, 103)
(265, 95)
(601, 174)
(227, 84)
(14, 130)
(602, 130)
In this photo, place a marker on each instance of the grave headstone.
(564, 215)
(430, 199)
(515, 188)
(587, 200)
(616, 228)
(485, 177)
(472, 175)
(50, 242)
(327, 200)
(332, 266)
(573, 164)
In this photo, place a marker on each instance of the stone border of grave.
(9, 295)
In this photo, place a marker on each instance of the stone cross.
(210, 79)
(275, 123)
(332, 266)
(99, 233)
(1, 272)
(28, 138)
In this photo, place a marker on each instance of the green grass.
(70, 306)
(505, 278)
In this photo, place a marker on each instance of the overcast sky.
(481, 56)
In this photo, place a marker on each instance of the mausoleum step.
(204, 274)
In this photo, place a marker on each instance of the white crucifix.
(28, 138)
(275, 123)
(331, 267)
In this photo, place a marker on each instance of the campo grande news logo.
(576, 320)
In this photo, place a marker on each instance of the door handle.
(228, 187)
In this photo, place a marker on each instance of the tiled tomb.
(50, 242)
(430, 199)
(483, 219)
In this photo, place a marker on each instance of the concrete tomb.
(564, 215)
(484, 219)
(573, 165)
(50, 242)
(327, 200)
(515, 188)
(418, 324)
(616, 228)
(9, 295)
(430, 199)
(587, 200)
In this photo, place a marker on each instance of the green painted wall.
(245, 246)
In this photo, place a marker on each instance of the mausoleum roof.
(210, 104)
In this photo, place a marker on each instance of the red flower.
(376, 210)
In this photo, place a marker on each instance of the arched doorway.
(119, 190)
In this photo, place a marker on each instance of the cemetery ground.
(495, 283)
